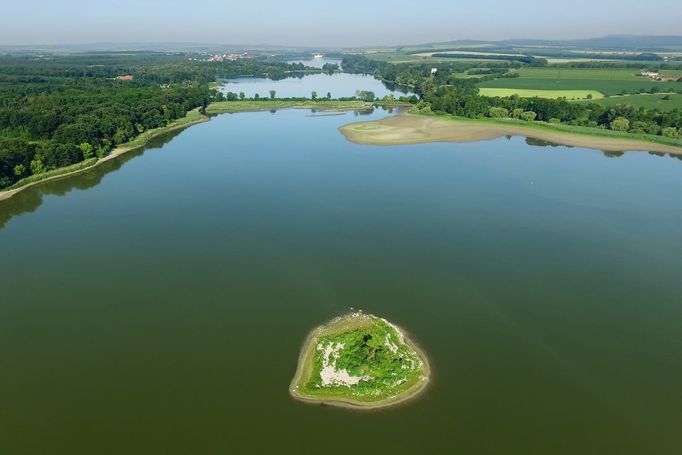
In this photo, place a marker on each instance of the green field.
(645, 101)
(672, 73)
(602, 74)
(414, 58)
(605, 80)
(526, 93)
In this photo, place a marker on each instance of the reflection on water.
(543, 143)
(612, 154)
(29, 200)
(297, 85)
(608, 154)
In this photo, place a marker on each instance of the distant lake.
(158, 303)
(317, 62)
(339, 85)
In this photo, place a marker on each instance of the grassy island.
(359, 361)
(223, 107)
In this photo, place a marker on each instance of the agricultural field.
(526, 93)
(445, 46)
(560, 60)
(609, 81)
(473, 54)
(393, 57)
(608, 74)
(646, 101)
(671, 73)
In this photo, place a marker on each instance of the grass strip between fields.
(551, 94)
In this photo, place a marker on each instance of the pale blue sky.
(323, 23)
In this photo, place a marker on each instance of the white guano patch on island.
(401, 336)
(391, 345)
(329, 375)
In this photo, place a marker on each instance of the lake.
(339, 85)
(158, 303)
(318, 62)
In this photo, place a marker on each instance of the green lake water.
(158, 303)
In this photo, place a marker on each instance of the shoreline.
(115, 153)
(215, 108)
(402, 129)
(303, 367)
(410, 128)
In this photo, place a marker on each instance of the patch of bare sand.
(416, 129)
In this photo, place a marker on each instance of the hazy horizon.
(308, 23)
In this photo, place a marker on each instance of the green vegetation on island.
(359, 361)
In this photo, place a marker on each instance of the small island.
(359, 361)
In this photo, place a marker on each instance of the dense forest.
(57, 111)
(447, 92)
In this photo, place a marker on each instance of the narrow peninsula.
(359, 361)
(408, 128)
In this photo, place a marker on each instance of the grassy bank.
(609, 81)
(52, 174)
(553, 94)
(192, 117)
(661, 101)
(570, 129)
(267, 104)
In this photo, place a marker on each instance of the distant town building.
(655, 75)
(227, 57)
(127, 77)
(434, 70)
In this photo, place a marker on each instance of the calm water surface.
(158, 304)
(339, 85)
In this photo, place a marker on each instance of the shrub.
(670, 131)
(529, 116)
(499, 112)
(620, 124)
